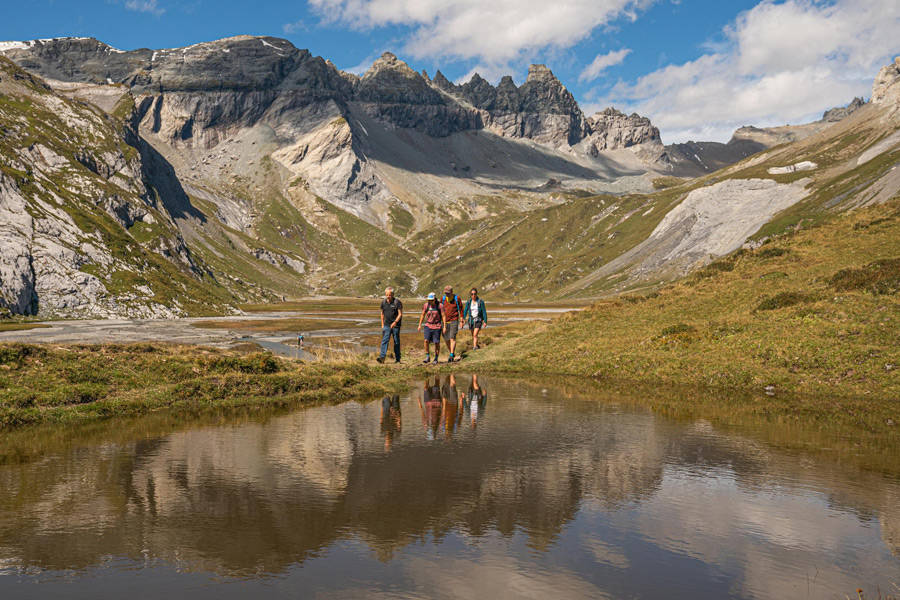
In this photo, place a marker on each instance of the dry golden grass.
(771, 317)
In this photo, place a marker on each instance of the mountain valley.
(188, 181)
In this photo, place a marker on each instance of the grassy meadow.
(807, 324)
(814, 313)
(41, 383)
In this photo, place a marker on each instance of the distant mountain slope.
(247, 169)
(590, 246)
(692, 159)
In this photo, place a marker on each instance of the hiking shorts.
(452, 330)
(477, 324)
(432, 335)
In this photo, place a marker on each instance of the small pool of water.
(467, 487)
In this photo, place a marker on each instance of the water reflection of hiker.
(476, 399)
(476, 316)
(430, 406)
(391, 420)
(451, 405)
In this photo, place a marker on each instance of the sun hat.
(431, 296)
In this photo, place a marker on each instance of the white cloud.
(781, 63)
(603, 62)
(147, 6)
(363, 66)
(494, 33)
(294, 27)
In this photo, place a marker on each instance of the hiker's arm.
(421, 318)
(399, 316)
(382, 318)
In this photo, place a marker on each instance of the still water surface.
(510, 491)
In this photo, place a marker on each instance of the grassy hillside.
(814, 311)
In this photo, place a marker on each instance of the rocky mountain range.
(178, 181)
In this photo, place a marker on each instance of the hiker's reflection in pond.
(475, 401)
(430, 407)
(452, 404)
(391, 420)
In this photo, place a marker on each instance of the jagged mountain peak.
(441, 81)
(840, 112)
(506, 83)
(391, 80)
(540, 72)
(477, 80)
(389, 60)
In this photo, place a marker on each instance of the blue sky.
(698, 69)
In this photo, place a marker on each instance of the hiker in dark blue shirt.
(391, 321)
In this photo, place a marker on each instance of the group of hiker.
(439, 318)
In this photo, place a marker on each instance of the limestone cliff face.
(541, 109)
(392, 92)
(308, 115)
(74, 182)
(886, 88)
(612, 129)
(837, 113)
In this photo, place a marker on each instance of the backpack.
(459, 309)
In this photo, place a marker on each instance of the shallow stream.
(472, 487)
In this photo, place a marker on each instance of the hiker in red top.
(451, 307)
(434, 324)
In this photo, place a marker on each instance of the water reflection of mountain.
(253, 497)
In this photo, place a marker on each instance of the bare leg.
(475, 333)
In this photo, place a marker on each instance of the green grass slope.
(814, 311)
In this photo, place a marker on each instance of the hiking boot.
(397, 361)
(426, 361)
(435, 361)
(380, 359)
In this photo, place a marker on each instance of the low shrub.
(260, 362)
(17, 353)
(879, 277)
(773, 275)
(82, 393)
(772, 252)
(719, 266)
(784, 299)
(677, 329)
(872, 223)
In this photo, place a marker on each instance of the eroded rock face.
(74, 187)
(16, 238)
(612, 129)
(885, 89)
(841, 112)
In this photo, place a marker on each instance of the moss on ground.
(80, 383)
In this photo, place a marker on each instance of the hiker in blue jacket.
(475, 315)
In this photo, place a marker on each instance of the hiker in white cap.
(434, 326)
